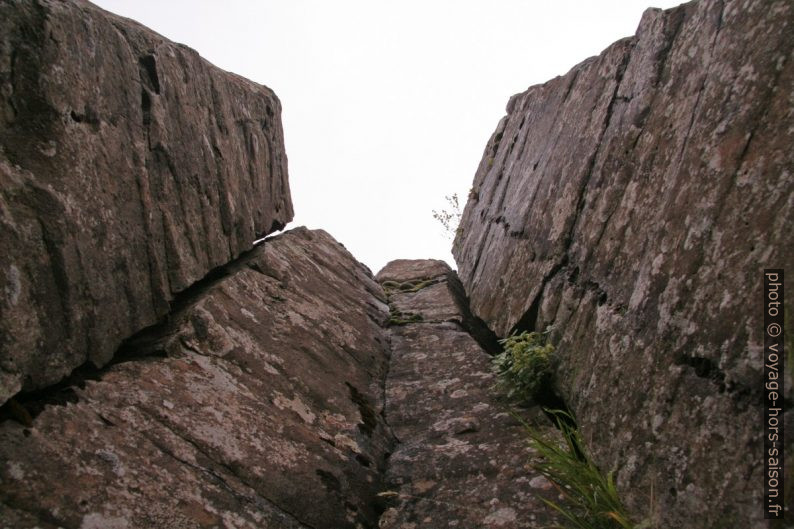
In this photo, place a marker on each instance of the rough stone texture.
(262, 409)
(461, 459)
(129, 168)
(425, 303)
(632, 204)
(402, 270)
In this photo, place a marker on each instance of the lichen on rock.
(631, 204)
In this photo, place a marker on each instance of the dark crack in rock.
(266, 410)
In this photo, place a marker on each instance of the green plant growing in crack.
(590, 498)
(526, 366)
(390, 287)
(397, 317)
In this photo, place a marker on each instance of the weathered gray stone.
(129, 168)
(632, 205)
(265, 410)
(462, 460)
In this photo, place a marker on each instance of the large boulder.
(631, 205)
(129, 168)
(258, 404)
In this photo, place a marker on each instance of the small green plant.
(449, 218)
(590, 498)
(391, 287)
(526, 365)
(403, 318)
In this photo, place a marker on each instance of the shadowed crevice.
(472, 324)
(145, 345)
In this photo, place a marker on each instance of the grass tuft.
(590, 498)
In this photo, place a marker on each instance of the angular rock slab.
(264, 412)
(461, 460)
(129, 168)
(632, 204)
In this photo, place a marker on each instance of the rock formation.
(258, 404)
(130, 167)
(631, 205)
(159, 370)
(461, 460)
(174, 376)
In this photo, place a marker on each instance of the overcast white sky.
(387, 106)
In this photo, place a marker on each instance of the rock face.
(629, 205)
(461, 458)
(129, 168)
(262, 409)
(632, 205)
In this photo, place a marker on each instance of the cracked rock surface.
(461, 459)
(632, 204)
(629, 206)
(129, 168)
(257, 405)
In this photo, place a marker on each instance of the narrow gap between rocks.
(548, 398)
